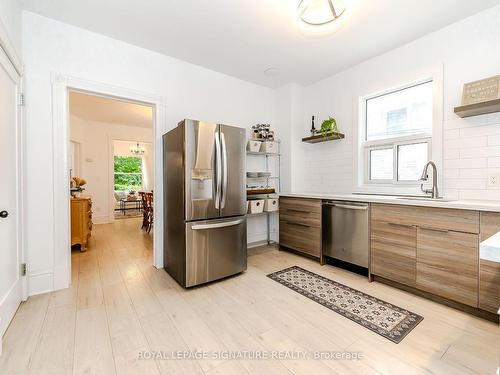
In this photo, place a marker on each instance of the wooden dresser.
(81, 221)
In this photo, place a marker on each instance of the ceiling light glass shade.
(320, 12)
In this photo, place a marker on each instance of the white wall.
(11, 25)
(96, 152)
(467, 51)
(190, 91)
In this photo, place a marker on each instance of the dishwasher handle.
(347, 206)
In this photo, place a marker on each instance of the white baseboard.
(8, 305)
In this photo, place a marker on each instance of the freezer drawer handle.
(361, 208)
(216, 225)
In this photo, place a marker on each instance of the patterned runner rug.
(390, 321)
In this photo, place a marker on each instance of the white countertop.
(490, 248)
(492, 206)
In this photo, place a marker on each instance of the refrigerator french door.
(204, 202)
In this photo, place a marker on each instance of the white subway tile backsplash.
(473, 173)
(451, 193)
(494, 162)
(466, 142)
(476, 152)
(494, 140)
(451, 134)
(488, 195)
(466, 184)
(451, 153)
(479, 131)
(452, 173)
(466, 163)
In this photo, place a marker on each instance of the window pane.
(400, 113)
(411, 161)
(128, 173)
(128, 164)
(381, 164)
(128, 181)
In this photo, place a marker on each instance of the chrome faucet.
(425, 177)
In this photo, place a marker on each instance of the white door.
(10, 208)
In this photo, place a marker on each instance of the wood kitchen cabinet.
(489, 271)
(300, 225)
(435, 250)
(394, 251)
(447, 264)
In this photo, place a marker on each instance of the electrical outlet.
(494, 181)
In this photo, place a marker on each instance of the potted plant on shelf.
(328, 127)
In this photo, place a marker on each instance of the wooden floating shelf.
(260, 191)
(477, 109)
(323, 138)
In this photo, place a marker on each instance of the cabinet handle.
(435, 230)
(299, 224)
(402, 225)
(296, 210)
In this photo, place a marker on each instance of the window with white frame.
(398, 134)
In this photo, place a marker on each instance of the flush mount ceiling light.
(319, 13)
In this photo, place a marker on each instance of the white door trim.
(9, 50)
(60, 86)
(10, 301)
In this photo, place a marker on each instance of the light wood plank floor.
(119, 306)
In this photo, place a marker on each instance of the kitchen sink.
(426, 199)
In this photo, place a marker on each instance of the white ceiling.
(243, 38)
(112, 111)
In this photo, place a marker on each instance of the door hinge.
(23, 269)
(21, 100)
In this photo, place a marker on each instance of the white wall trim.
(9, 50)
(9, 305)
(60, 86)
(10, 301)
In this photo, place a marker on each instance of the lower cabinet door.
(301, 237)
(393, 252)
(447, 264)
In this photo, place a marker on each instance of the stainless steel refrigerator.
(205, 236)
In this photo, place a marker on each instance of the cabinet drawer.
(301, 237)
(298, 210)
(489, 285)
(394, 252)
(428, 217)
(489, 271)
(447, 264)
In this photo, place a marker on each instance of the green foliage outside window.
(128, 173)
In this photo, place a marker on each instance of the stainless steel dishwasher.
(345, 231)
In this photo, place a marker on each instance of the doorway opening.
(111, 159)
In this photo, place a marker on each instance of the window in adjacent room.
(128, 173)
(398, 134)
